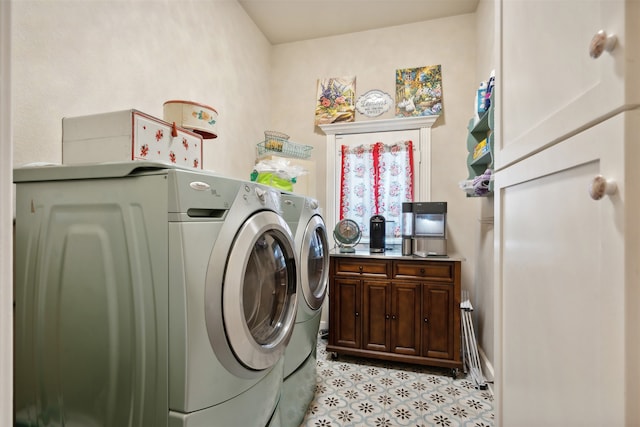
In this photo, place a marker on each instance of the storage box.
(128, 135)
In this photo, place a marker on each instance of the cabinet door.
(345, 321)
(405, 318)
(549, 87)
(437, 321)
(376, 318)
(560, 295)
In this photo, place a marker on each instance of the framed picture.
(419, 91)
(335, 100)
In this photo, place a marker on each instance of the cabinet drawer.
(437, 271)
(358, 266)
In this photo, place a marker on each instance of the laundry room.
(65, 59)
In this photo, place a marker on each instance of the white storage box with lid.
(128, 135)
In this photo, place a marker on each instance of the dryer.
(150, 295)
(305, 220)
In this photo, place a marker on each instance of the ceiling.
(284, 21)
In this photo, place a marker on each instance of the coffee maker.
(377, 231)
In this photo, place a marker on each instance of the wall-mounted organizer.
(284, 164)
(480, 143)
(278, 144)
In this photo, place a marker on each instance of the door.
(345, 320)
(437, 321)
(560, 291)
(405, 318)
(314, 263)
(377, 315)
(259, 291)
(549, 86)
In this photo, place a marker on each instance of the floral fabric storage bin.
(128, 135)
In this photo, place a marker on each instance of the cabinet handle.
(360, 268)
(422, 271)
(357, 314)
(426, 320)
(601, 186)
(601, 42)
(393, 317)
(386, 316)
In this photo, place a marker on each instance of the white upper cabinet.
(549, 85)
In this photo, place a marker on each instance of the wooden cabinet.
(400, 309)
(566, 263)
(548, 86)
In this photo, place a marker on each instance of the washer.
(150, 295)
(305, 220)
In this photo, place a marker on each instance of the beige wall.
(6, 219)
(74, 57)
(373, 57)
(482, 287)
(83, 57)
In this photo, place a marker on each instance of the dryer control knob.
(313, 204)
(260, 193)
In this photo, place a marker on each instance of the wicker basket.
(283, 147)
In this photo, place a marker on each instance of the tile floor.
(359, 392)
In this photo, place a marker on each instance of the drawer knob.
(422, 271)
(393, 317)
(360, 268)
(601, 42)
(426, 320)
(357, 314)
(386, 316)
(601, 186)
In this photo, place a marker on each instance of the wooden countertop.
(392, 253)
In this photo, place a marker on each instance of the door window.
(317, 262)
(259, 291)
(265, 289)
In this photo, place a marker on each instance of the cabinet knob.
(422, 271)
(600, 187)
(601, 42)
(393, 317)
(426, 320)
(360, 269)
(357, 314)
(386, 316)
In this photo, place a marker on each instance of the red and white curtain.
(375, 180)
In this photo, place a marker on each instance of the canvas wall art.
(419, 91)
(335, 100)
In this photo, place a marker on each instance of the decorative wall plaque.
(373, 103)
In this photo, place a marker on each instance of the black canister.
(377, 231)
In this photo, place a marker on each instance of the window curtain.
(375, 180)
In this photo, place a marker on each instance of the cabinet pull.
(386, 316)
(601, 186)
(422, 271)
(357, 314)
(426, 320)
(601, 42)
(393, 317)
(360, 268)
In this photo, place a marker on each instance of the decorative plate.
(373, 103)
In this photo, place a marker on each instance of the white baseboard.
(487, 369)
(324, 324)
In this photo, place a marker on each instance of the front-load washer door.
(314, 260)
(259, 291)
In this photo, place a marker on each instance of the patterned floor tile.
(354, 392)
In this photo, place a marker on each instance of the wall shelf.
(480, 132)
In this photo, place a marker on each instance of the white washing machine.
(305, 220)
(148, 295)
